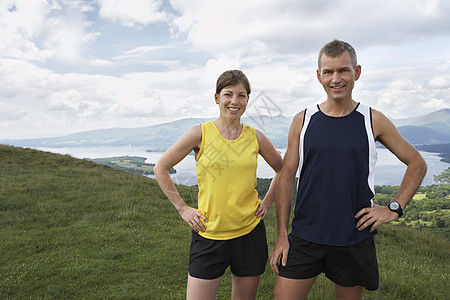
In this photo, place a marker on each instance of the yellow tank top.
(226, 178)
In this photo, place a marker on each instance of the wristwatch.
(395, 207)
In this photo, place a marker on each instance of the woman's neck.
(229, 129)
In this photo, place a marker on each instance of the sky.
(69, 66)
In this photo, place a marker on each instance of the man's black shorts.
(246, 255)
(346, 266)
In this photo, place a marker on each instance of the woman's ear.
(216, 97)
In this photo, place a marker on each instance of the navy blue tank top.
(337, 159)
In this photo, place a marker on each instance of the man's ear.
(357, 72)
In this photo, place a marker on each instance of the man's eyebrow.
(337, 69)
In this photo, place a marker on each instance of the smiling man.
(335, 221)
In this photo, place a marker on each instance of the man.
(335, 220)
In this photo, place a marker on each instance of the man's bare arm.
(386, 133)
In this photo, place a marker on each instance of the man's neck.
(338, 108)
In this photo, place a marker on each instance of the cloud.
(19, 78)
(132, 13)
(407, 91)
(20, 23)
(69, 66)
(38, 30)
(100, 62)
(140, 51)
(439, 82)
(292, 27)
(101, 100)
(8, 113)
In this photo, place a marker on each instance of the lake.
(388, 170)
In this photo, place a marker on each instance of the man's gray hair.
(336, 48)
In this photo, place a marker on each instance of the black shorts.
(246, 255)
(346, 266)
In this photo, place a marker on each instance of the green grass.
(129, 164)
(73, 229)
(133, 164)
(420, 196)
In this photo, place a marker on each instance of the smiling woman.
(232, 94)
(227, 226)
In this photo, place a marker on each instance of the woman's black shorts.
(246, 255)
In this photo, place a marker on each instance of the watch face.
(394, 205)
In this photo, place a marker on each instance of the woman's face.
(232, 101)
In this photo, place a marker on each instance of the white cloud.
(141, 51)
(8, 113)
(216, 66)
(435, 104)
(68, 66)
(290, 27)
(38, 30)
(65, 40)
(135, 99)
(132, 12)
(20, 23)
(19, 78)
(404, 96)
(212, 25)
(100, 62)
(439, 82)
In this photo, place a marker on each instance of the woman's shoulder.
(195, 133)
(250, 129)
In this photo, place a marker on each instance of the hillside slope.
(72, 229)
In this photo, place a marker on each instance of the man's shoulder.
(299, 117)
(378, 115)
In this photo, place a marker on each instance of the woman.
(227, 227)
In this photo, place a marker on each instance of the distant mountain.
(433, 128)
(422, 135)
(438, 121)
(405, 121)
(156, 137)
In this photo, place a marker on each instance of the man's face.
(337, 76)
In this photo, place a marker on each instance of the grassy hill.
(73, 229)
